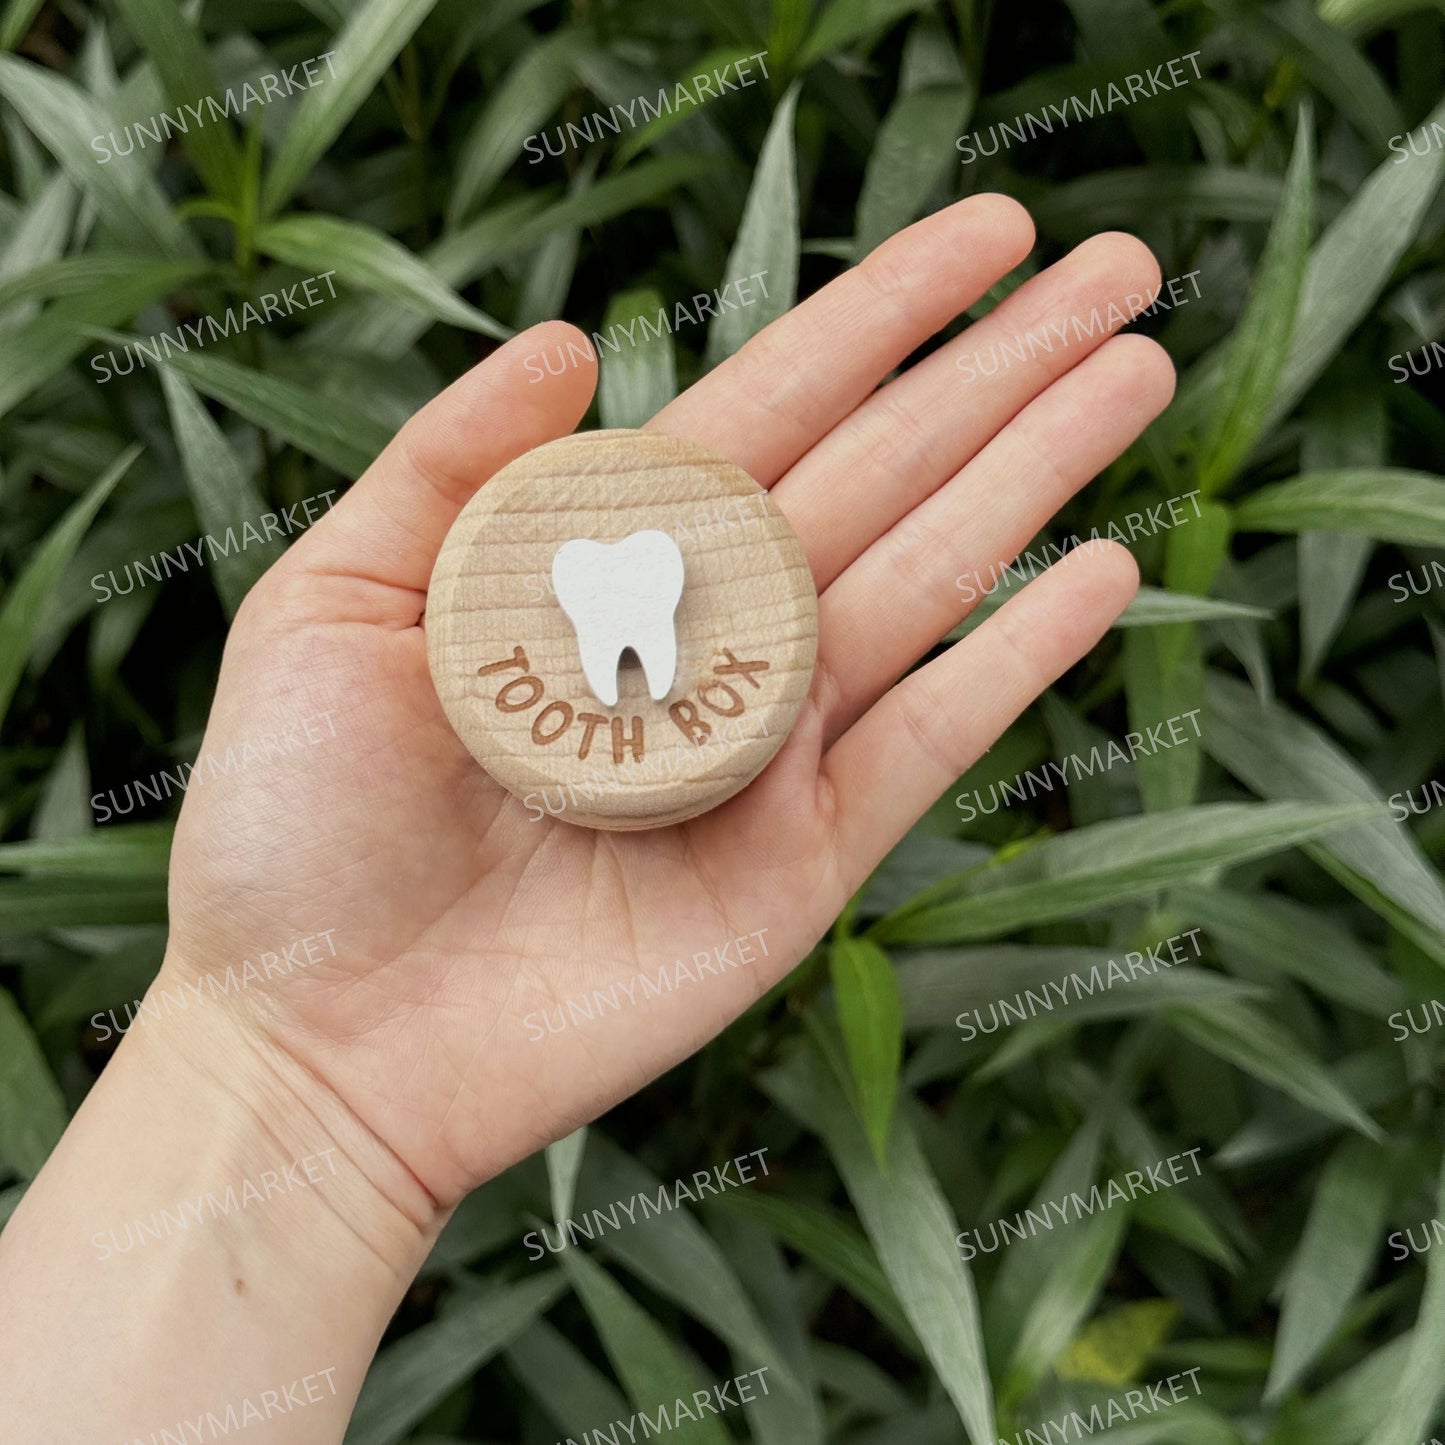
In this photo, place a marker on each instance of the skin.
(456, 915)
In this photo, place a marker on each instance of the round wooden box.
(655, 666)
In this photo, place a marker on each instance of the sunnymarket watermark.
(157, 567)
(1074, 1426)
(1432, 357)
(160, 128)
(538, 365)
(1432, 1015)
(161, 1003)
(1025, 786)
(1403, 805)
(163, 1223)
(1027, 566)
(667, 978)
(1141, 85)
(1027, 1223)
(159, 346)
(235, 1417)
(1026, 1005)
(641, 1426)
(1431, 576)
(1432, 1232)
(1029, 344)
(1431, 140)
(158, 785)
(572, 136)
(667, 1198)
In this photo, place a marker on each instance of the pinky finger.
(921, 736)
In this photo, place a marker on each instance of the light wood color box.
(505, 657)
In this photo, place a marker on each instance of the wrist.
(214, 1209)
(286, 1132)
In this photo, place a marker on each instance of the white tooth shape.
(622, 595)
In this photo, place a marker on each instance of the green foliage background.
(1320, 255)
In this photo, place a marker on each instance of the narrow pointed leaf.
(374, 33)
(66, 120)
(219, 488)
(767, 242)
(32, 1110)
(409, 1378)
(370, 261)
(1106, 863)
(25, 598)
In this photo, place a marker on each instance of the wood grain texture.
(504, 656)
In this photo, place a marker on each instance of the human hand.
(456, 914)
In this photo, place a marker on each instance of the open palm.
(457, 918)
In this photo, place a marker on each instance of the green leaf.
(1043, 1293)
(410, 1377)
(564, 1161)
(938, 986)
(133, 851)
(370, 261)
(652, 1370)
(40, 348)
(172, 42)
(1280, 755)
(1360, 15)
(1260, 344)
(1289, 939)
(913, 153)
(1346, 428)
(1115, 1348)
(16, 21)
(833, 1244)
(220, 490)
(649, 133)
(1335, 1258)
(10, 1201)
(35, 904)
(341, 435)
(25, 598)
(1164, 666)
(767, 240)
(510, 229)
(1329, 61)
(38, 240)
(561, 1379)
(90, 272)
(870, 1013)
(32, 1110)
(1151, 607)
(1123, 197)
(1241, 1036)
(530, 92)
(676, 1257)
(66, 120)
(1386, 503)
(63, 810)
(374, 32)
(1421, 1387)
(910, 1225)
(636, 382)
(791, 1416)
(1349, 267)
(1106, 863)
(847, 22)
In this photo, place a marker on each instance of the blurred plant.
(1320, 254)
